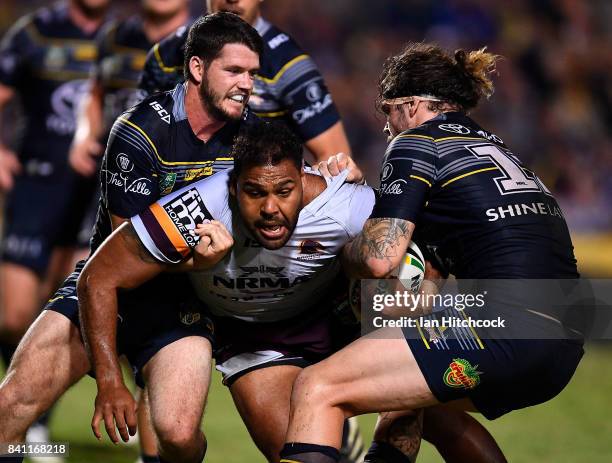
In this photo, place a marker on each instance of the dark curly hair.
(210, 33)
(427, 69)
(266, 143)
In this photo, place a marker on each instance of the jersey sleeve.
(166, 227)
(360, 208)
(309, 101)
(160, 73)
(408, 173)
(15, 49)
(129, 174)
(302, 90)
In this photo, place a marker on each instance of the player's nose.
(245, 83)
(269, 207)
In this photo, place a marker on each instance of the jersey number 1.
(514, 178)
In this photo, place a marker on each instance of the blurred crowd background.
(553, 99)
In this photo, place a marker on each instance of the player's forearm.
(328, 143)
(98, 314)
(90, 117)
(378, 249)
(120, 262)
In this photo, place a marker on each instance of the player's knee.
(175, 437)
(311, 388)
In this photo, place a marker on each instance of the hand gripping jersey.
(253, 283)
(474, 204)
(288, 86)
(48, 60)
(153, 151)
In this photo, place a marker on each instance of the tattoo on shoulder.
(129, 235)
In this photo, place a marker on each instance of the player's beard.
(212, 103)
(91, 12)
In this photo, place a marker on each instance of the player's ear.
(196, 69)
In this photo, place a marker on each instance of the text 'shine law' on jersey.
(253, 283)
(153, 151)
(48, 60)
(288, 86)
(474, 203)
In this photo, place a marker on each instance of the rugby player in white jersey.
(270, 298)
(269, 235)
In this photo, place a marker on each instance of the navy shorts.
(42, 213)
(498, 375)
(150, 317)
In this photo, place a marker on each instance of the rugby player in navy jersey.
(271, 299)
(288, 86)
(122, 48)
(163, 143)
(458, 187)
(45, 60)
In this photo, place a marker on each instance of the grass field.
(575, 426)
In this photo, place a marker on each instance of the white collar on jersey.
(261, 26)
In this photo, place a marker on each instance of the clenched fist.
(215, 242)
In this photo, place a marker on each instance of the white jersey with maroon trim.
(253, 283)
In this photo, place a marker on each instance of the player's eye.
(284, 192)
(253, 193)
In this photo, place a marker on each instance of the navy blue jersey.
(48, 60)
(288, 87)
(152, 151)
(474, 203)
(122, 51)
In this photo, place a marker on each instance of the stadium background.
(553, 105)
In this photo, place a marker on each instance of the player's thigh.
(262, 398)
(177, 378)
(61, 264)
(50, 358)
(19, 297)
(375, 373)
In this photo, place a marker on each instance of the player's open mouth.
(239, 98)
(272, 232)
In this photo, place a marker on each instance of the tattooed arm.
(378, 249)
(120, 263)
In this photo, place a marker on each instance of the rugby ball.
(411, 271)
